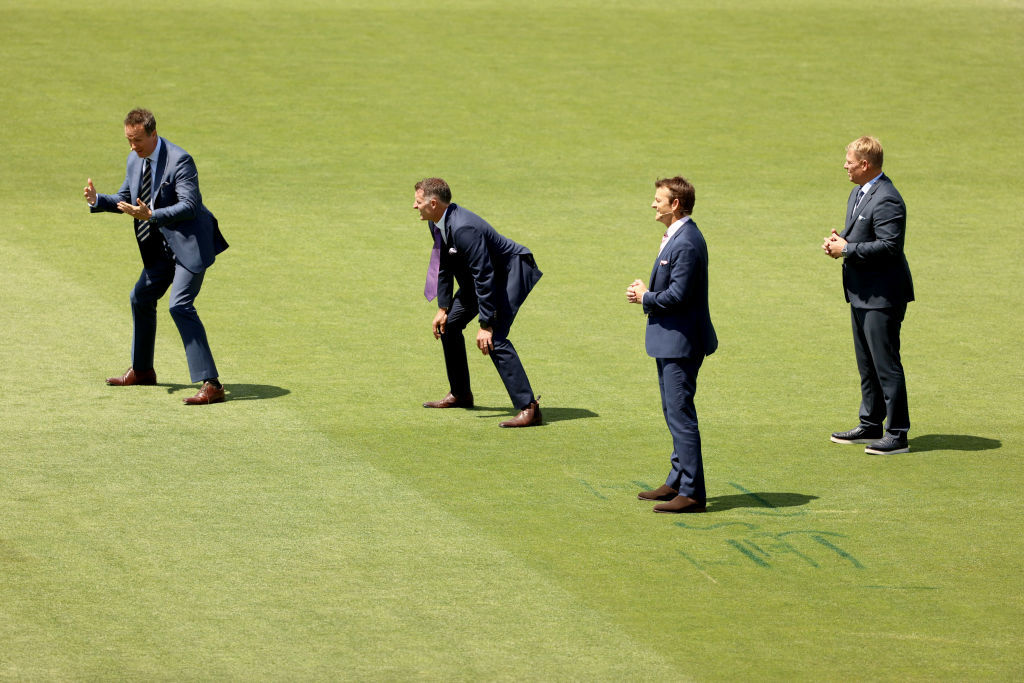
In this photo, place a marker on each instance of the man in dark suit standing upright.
(494, 275)
(878, 286)
(178, 239)
(679, 335)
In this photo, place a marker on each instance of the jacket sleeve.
(186, 188)
(682, 265)
(889, 224)
(471, 242)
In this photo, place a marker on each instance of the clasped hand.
(833, 245)
(635, 292)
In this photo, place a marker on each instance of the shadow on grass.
(758, 500)
(236, 392)
(952, 442)
(550, 414)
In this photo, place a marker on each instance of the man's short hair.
(143, 117)
(867, 148)
(437, 188)
(681, 189)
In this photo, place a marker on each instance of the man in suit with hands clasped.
(178, 239)
(679, 336)
(877, 283)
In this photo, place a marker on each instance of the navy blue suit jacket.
(489, 268)
(190, 229)
(875, 270)
(678, 318)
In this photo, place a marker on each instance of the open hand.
(138, 211)
(90, 193)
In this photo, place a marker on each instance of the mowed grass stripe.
(234, 540)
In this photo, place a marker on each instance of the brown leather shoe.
(663, 492)
(145, 377)
(207, 394)
(682, 504)
(451, 401)
(527, 417)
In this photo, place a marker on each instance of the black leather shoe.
(859, 434)
(889, 445)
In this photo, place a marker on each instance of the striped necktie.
(142, 231)
(860, 196)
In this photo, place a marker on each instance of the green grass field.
(322, 525)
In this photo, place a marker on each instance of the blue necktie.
(860, 196)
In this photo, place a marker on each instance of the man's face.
(662, 206)
(142, 143)
(428, 207)
(857, 169)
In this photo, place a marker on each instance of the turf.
(321, 525)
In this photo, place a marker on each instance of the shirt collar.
(867, 186)
(155, 155)
(441, 223)
(674, 228)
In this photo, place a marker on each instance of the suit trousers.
(677, 378)
(184, 285)
(883, 387)
(506, 360)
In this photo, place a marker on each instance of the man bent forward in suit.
(679, 336)
(494, 275)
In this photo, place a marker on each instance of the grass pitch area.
(321, 525)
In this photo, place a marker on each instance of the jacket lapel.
(853, 215)
(449, 226)
(673, 238)
(161, 167)
(849, 209)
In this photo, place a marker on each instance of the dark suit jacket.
(875, 270)
(678, 318)
(190, 229)
(491, 269)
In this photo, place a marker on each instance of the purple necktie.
(430, 289)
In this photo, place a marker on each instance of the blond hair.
(867, 148)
